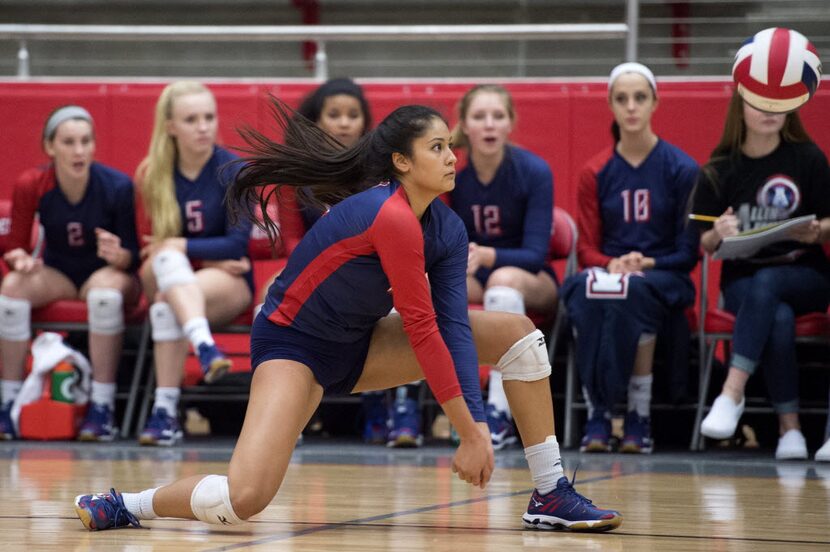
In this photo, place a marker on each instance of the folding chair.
(716, 326)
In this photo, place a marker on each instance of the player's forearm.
(460, 418)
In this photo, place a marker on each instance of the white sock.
(198, 332)
(639, 394)
(9, 390)
(103, 394)
(168, 399)
(545, 464)
(495, 393)
(141, 504)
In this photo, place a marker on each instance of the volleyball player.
(90, 253)
(325, 326)
(195, 269)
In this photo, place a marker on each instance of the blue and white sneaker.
(161, 429)
(406, 425)
(636, 434)
(597, 436)
(98, 424)
(104, 511)
(502, 432)
(375, 428)
(214, 364)
(7, 432)
(564, 508)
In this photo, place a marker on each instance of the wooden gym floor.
(341, 496)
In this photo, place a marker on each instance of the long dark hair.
(734, 135)
(310, 157)
(312, 106)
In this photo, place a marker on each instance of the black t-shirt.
(792, 181)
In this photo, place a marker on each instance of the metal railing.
(320, 35)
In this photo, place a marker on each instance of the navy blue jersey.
(513, 213)
(370, 253)
(624, 208)
(205, 219)
(69, 229)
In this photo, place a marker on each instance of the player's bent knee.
(15, 319)
(106, 311)
(526, 360)
(211, 501)
(164, 324)
(172, 268)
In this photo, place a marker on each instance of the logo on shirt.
(780, 196)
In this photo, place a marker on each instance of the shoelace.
(571, 490)
(119, 509)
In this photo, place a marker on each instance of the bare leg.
(284, 394)
(644, 361)
(735, 384)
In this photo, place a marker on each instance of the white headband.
(64, 114)
(632, 67)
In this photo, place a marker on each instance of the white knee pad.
(164, 324)
(106, 311)
(646, 338)
(526, 360)
(172, 268)
(504, 299)
(15, 319)
(211, 501)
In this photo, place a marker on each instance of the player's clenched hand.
(109, 246)
(473, 461)
(20, 261)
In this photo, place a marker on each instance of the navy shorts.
(483, 274)
(336, 366)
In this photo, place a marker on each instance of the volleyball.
(777, 70)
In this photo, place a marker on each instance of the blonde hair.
(155, 173)
(459, 139)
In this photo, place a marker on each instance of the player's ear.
(401, 163)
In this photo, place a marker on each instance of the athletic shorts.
(483, 274)
(336, 366)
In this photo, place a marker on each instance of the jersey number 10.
(641, 205)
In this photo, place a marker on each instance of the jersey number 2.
(641, 206)
(75, 233)
(195, 217)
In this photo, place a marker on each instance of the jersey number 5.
(487, 219)
(641, 205)
(195, 217)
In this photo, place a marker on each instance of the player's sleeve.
(589, 221)
(538, 219)
(819, 183)
(125, 225)
(687, 238)
(707, 201)
(25, 198)
(397, 237)
(448, 281)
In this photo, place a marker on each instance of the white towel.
(47, 351)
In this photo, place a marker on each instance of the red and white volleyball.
(777, 70)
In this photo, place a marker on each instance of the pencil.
(704, 218)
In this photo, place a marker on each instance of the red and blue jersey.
(370, 253)
(70, 244)
(623, 208)
(205, 218)
(513, 213)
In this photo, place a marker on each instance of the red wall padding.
(564, 122)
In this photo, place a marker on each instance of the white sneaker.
(722, 420)
(791, 446)
(823, 454)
